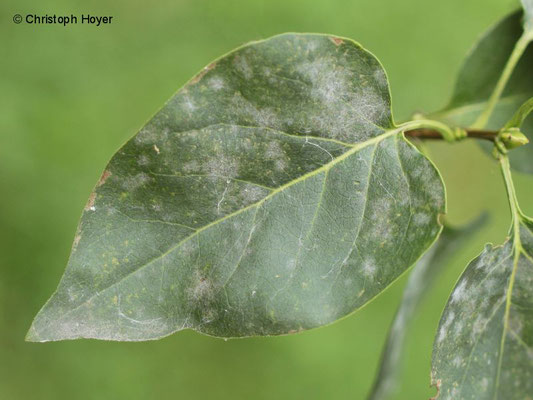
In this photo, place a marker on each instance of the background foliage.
(69, 97)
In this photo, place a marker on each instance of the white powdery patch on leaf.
(421, 219)
(264, 116)
(192, 167)
(459, 292)
(221, 166)
(251, 194)
(188, 104)
(369, 268)
(151, 134)
(370, 103)
(241, 64)
(345, 104)
(380, 77)
(443, 331)
(275, 153)
(330, 82)
(132, 183)
(143, 160)
(216, 83)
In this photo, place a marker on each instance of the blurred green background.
(70, 96)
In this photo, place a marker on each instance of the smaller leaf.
(519, 117)
(420, 281)
(477, 79)
(484, 344)
(512, 137)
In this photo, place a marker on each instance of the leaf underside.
(421, 279)
(478, 77)
(480, 351)
(270, 195)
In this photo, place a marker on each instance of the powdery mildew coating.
(480, 353)
(270, 195)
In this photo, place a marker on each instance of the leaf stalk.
(433, 134)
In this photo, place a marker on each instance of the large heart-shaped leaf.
(271, 194)
(421, 279)
(477, 79)
(484, 344)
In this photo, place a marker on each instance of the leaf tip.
(41, 329)
(42, 334)
(32, 335)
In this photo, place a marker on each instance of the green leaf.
(484, 344)
(510, 137)
(520, 116)
(270, 195)
(421, 279)
(477, 80)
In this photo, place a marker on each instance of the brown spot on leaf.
(104, 177)
(90, 203)
(198, 77)
(294, 331)
(437, 385)
(336, 40)
(76, 242)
